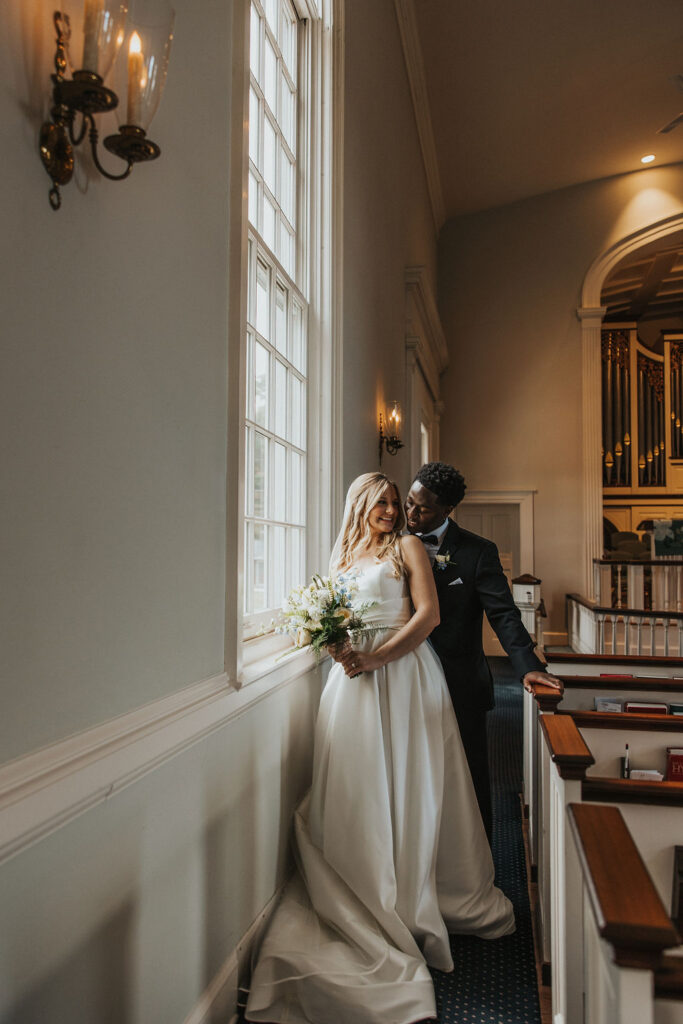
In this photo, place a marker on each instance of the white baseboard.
(44, 790)
(218, 1004)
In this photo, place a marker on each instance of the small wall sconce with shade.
(390, 423)
(134, 51)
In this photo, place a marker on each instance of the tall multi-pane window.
(277, 316)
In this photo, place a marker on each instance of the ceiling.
(647, 286)
(528, 96)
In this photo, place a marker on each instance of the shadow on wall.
(93, 984)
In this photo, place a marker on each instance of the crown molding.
(412, 53)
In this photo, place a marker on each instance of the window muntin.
(275, 436)
(273, 128)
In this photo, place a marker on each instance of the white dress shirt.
(432, 549)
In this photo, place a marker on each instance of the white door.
(499, 523)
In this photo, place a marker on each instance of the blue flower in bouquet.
(323, 613)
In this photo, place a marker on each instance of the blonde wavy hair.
(355, 534)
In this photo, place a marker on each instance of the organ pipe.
(641, 422)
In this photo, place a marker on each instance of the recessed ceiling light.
(647, 159)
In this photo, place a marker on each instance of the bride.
(390, 847)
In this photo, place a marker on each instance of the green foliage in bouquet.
(324, 613)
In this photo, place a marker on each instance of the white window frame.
(321, 279)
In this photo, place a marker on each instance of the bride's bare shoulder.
(412, 547)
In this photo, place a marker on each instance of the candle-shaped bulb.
(92, 16)
(135, 79)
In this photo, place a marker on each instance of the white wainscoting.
(218, 1004)
(47, 788)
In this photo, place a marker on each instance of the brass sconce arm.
(391, 442)
(84, 94)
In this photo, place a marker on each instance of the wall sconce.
(392, 439)
(141, 76)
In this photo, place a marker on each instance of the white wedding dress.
(389, 843)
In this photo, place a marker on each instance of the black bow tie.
(430, 539)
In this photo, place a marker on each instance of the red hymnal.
(642, 707)
(674, 764)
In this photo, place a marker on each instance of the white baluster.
(653, 621)
(658, 573)
(667, 595)
(636, 586)
(600, 622)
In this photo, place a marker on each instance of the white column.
(591, 322)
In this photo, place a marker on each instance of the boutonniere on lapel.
(442, 561)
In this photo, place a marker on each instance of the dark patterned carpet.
(495, 982)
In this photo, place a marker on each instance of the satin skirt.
(391, 855)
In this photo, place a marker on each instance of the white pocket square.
(453, 583)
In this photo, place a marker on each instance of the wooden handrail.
(669, 978)
(566, 746)
(547, 697)
(636, 660)
(627, 908)
(623, 720)
(642, 613)
(616, 682)
(638, 561)
(632, 791)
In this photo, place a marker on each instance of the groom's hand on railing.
(545, 678)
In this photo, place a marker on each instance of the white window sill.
(267, 658)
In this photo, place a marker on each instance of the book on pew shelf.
(609, 703)
(646, 774)
(675, 709)
(674, 764)
(646, 707)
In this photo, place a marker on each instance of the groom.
(469, 581)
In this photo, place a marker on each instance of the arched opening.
(592, 314)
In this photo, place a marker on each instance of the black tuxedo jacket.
(470, 581)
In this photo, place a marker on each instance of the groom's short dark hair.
(442, 480)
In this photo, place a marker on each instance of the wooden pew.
(580, 690)
(566, 778)
(626, 928)
(572, 663)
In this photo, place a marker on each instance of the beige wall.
(388, 226)
(113, 401)
(510, 282)
(112, 398)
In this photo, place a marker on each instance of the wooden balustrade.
(642, 585)
(599, 629)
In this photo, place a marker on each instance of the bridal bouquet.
(323, 613)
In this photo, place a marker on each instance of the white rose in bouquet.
(323, 613)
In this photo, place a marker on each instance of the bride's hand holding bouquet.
(323, 616)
